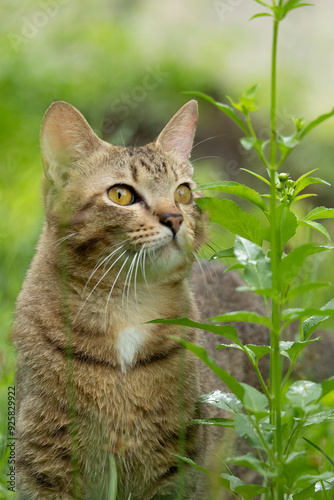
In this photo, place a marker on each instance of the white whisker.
(131, 272)
(61, 240)
(99, 264)
(112, 265)
(113, 286)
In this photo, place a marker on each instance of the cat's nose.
(173, 221)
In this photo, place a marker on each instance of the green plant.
(272, 420)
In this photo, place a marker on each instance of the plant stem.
(275, 359)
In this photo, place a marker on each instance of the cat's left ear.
(65, 138)
(178, 135)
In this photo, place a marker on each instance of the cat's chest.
(130, 340)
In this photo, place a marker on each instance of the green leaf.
(291, 265)
(227, 214)
(321, 451)
(327, 386)
(236, 387)
(192, 463)
(310, 324)
(287, 142)
(320, 213)
(250, 93)
(226, 331)
(219, 422)
(254, 401)
(247, 316)
(227, 110)
(317, 418)
(286, 225)
(306, 493)
(244, 426)
(253, 463)
(307, 181)
(299, 290)
(302, 197)
(310, 126)
(263, 3)
(297, 313)
(256, 175)
(292, 349)
(317, 226)
(261, 14)
(266, 292)
(257, 271)
(230, 482)
(232, 268)
(256, 352)
(302, 393)
(222, 400)
(223, 254)
(238, 190)
(250, 491)
(248, 143)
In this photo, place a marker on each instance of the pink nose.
(173, 221)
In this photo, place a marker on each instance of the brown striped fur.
(94, 380)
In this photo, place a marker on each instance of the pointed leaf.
(248, 143)
(310, 324)
(261, 14)
(247, 316)
(250, 491)
(226, 331)
(307, 181)
(223, 254)
(317, 226)
(292, 349)
(327, 386)
(320, 213)
(291, 264)
(238, 190)
(315, 123)
(321, 451)
(253, 463)
(257, 271)
(245, 428)
(286, 225)
(227, 214)
(297, 313)
(299, 290)
(192, 463)
(227, 110)
(254, 401)
(222, 400)
(235, 386)
(302, 197)
(232, 268)
(220, 422)
(256, 175)
(302, 393)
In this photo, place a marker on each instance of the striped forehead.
(148, 161)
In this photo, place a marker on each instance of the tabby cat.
(96, 384)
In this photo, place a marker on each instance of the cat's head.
(105, 197)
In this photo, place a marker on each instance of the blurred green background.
(124, 65)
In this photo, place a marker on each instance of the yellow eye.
(183, 195)
(121, 195)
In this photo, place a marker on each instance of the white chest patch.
(129, 341)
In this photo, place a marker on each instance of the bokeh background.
(124, 64)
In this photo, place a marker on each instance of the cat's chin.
(169, 259)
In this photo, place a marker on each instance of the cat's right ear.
(178, 135)
(65, 137)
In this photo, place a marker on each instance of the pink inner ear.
(66, 132)
(178, 135)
